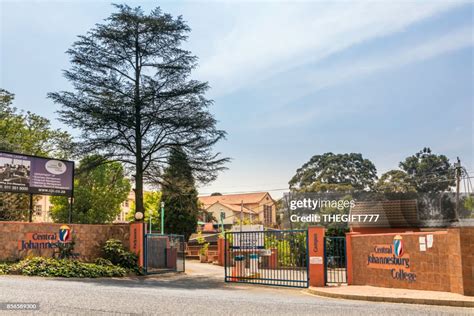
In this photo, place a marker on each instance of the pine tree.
(133, 97)
(180, 195)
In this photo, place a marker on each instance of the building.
(126, 207)
(256, 207)
(42, 209)
(391, 216)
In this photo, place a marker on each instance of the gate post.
(221, 248)
(349, 257)
(316, 256)
(137, 233)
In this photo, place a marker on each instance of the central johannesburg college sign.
(392, 257)
(45, 240)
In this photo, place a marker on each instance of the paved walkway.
(354, 292)
(380, 294)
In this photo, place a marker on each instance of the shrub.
(203, 250)
(4, 268)
(66, 250)
(50, 267)
(103, 262)
(117, 255)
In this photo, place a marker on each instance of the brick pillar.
(221, 251)
(136, 240)
(349, 258)
(316, 256)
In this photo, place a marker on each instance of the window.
(267, 214)
(38, 210)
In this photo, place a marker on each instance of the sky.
(289, 80)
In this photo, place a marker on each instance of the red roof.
(235, 208)
(235, 199)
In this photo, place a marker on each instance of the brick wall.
(467, 255)
(89, 238)
(446, 266)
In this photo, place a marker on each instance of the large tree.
(180, 195)
(334, 172)
(430, 173)
(98, 193)
(133, 97)
(26, 133)
(29, 133)
(395, 181)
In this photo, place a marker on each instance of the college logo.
(64, 233)
(398, 246)
(55, 167)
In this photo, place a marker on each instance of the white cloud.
(326, 76)
(452, 41)
(272, 38)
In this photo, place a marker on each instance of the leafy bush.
(50, 267)
(4, 268)
(204, 249)
(103, 262)
(66, 250)
(117, 255)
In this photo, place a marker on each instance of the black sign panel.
(35, 175)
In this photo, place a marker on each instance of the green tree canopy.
(334, 172)
(180, 195)
(395, 181)
(429, 172)
(29, 133)
(133, 97)
(98, 193)
(151, 205)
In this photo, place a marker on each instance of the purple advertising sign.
(35, 175)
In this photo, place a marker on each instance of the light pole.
(150, 215)
(222, 220)
(162, 218)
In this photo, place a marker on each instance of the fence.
(164, 253)
(267, 257)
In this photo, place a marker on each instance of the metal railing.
(164, 253)
(267, 257)
(335, 260)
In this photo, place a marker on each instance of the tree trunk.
(138, 134)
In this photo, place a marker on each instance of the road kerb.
(405, 300)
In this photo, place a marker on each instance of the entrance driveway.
(200, 291)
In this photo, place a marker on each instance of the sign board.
(422, 240)
(35, 175)
(429, 241)
(315, 260)
(250, 238)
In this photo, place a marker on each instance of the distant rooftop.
(246, 198)
(394, 213)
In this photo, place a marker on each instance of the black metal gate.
(267, 257)
(335, 260)
(164, 253)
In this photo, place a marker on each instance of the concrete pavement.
(380, 294)
(199, 292)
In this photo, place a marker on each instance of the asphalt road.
(198, 293)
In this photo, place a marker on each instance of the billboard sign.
(35, 175)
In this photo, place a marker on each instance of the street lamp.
(162, 218)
